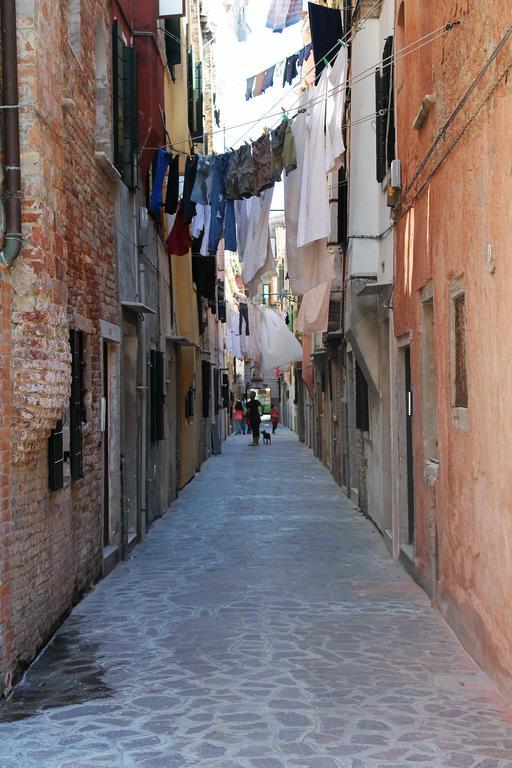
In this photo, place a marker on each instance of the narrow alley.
(261, 624)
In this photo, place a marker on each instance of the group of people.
(247, 417)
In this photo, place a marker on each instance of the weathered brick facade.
(64, 278)
(5, 518)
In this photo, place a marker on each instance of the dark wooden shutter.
(75, 405)
(56, 458)
(125, 107)
(216, 375)
(195, 96)
(205, 370)
(362, 411)
(342, 207)
(157, 395)
(384, 107)
(173, 41)
(130, 117)
(117, 76)
(221, 303)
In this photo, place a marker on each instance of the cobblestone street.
(261, 624)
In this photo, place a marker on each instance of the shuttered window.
(125, 108)
(157, 397)
(362, 411)
(225, 390)
(56, 458)
(173, 43)
(195, 96)
(205, 369)
(384, 107)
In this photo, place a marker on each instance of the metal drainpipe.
(10, 108)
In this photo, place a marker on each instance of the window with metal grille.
(56, 458)
(76, 342)
(65, 441)
(362, 411)
(461, 377)
(125, 107)
(384, 107)
(157, 397)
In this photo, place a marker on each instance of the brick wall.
(5, 518)
(65, 277)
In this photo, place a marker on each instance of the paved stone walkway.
(257, 630)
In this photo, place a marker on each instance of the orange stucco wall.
(460, 228)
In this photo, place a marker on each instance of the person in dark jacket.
(253, 411)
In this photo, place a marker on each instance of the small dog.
(267, 438)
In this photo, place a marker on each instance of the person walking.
(253, 410)
(244, 420)
(238, 416)
(274, 417)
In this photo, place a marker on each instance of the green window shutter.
(117, 76)
(125, 107)
(129, 170)
(157, 395)
(75, 405)
(198, 98)
(56, 458)
(384, 107)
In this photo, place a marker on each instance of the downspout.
(10, 108)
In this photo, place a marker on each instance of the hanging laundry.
(250, 87)
(303, 54)
(179, 241)
(241, 227)
(283, 13)
(189, 207)
(283, 150)
(163, 158)
(256, 256)
(326, 32)
(240, 177)
(202, 189)
(268, 78)
(314, 214)
(223, 211)
(290, 69)
(312, 264)
(279, 345)
(313, 314)
(334, 146)
(200, 227)
(173, 185)
(262, 161)
(258, 84)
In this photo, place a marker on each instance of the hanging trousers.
(244, 314)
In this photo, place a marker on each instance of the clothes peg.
(343, 43)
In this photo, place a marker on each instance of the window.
(461, 380)
(205, 369)
(157, 396)
(125, 108)
(362, 411)
(384, 107)
(173, 42)
(74, 27)
(103, 117)
(189, 405)
(65, 441)
(195, 97)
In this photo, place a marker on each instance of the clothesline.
(356, 80)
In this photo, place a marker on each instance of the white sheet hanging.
(257, 258)
(313, 315)
(314, 216)
(312, 264)
(279, 345)
(334, 146)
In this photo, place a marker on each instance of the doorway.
(409, 462)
